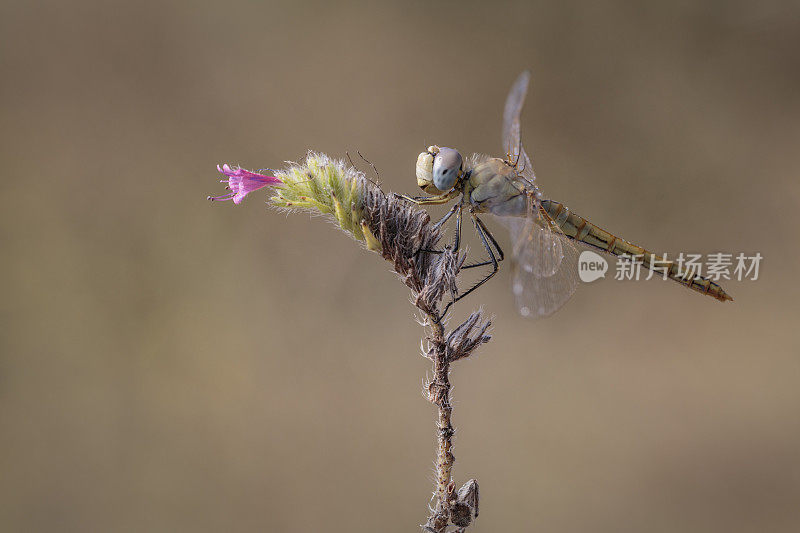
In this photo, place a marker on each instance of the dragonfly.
(546, 236)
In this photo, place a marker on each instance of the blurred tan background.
(173, 365)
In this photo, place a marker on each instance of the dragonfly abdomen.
(578, 228)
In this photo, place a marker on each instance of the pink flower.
(242, 182)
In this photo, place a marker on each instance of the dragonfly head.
(439, 169)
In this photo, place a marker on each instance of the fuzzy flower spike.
(242, 182)
(399, 232)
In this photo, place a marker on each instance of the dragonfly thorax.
(495, 186)
(439, 169)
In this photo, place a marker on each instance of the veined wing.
(512, 140)
(545, 263)
(545, 260)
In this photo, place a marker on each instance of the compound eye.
(446, 168)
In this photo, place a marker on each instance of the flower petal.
(242, 182)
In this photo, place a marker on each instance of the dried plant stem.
(404, 236)
(439, 395)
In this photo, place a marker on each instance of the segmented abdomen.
(580, 229)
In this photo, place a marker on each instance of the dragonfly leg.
(491, 237)
(431, 200)
(482, 233)
(500, 254)
(442, 221)
(456, 244)
(457, 238)
(486, 237)
(445, 218)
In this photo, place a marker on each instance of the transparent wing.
(513, 109)
(512, 140)
(545, 260)
(545, 263)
